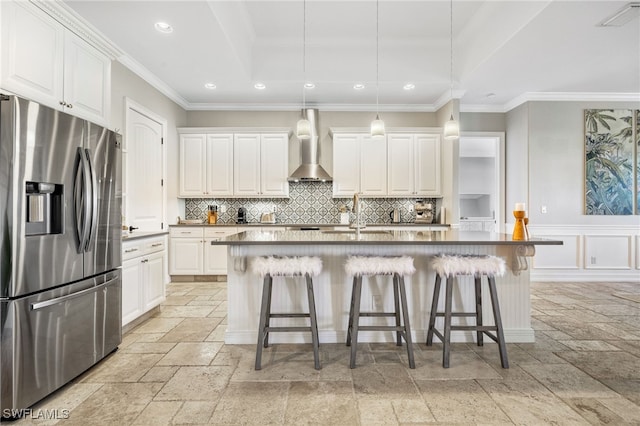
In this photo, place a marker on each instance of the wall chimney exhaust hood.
(310, 170)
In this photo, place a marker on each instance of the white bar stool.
(268, 267)
(450, 266)
(357, 266)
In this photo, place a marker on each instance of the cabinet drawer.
(219, 232)
(133, 249)
(179, 232)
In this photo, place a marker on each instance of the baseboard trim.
(582, 275)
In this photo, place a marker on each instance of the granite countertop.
(311, 225)
(379, 237)
(142, 234)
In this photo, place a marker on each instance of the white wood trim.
(366, 130)
(577, 248)
(637, 249)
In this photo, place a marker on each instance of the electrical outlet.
(543, 209)
(223, 209)
(593, 260)
(273, 208)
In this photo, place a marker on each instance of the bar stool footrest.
(286, 329)
(291, 315)
(377, 314)
(381, 328)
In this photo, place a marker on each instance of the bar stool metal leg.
(397, 311)
(447, 322)
(353, 297)
(405, 313)
(314, 323)
(356, 320)
(478, 288)
(434, 309)
(263, 320)
(268, 314)
(498, 320)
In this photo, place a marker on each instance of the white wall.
(124, 83)
(545, 167)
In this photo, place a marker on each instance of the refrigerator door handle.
(61, 299)
(82, 202)
(94, 201)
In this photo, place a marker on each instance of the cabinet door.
(32, 53)
(428, 164)
(401, 164)
(132, 304)
(154, 280)
(186, 256)
(87, 80)
(346, 164)
(274, 164)
(373, 165)
(219, 164)
(192, 165)
(215, 258)
(246, 164)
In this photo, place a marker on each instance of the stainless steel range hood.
(310, 170)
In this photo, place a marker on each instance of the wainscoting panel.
(607, 252)
(566, 256)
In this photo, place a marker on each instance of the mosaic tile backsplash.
(308, 202)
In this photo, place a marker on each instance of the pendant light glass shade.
(377, 127)
(451, 129)
(303, 128)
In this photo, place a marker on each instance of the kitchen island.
(333, 286)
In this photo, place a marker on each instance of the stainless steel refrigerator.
(60, 249)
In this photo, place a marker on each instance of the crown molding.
(570, 97)
(153, 80)
(298, 107)
(62, 13)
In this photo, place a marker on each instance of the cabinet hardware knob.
(69, 106)
(62, 103)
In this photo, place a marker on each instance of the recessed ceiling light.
(163, 27)
(409, 86)
(309, 85)
(210, 86)
(358, 86)
(260, 86)
(490, 95)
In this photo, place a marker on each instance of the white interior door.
(144, 172)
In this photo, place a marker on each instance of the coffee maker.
(424, 212)
(242, 215)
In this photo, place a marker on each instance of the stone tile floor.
(175, 369)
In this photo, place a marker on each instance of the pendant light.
(303, 128)
(377, 125)
(451, 127)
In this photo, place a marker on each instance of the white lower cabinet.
(191, 252)
(143, 286)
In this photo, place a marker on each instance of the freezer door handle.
(61, 299)
(93, 200)
(82, 201)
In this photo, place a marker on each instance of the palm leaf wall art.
(609, 161)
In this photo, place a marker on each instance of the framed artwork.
(610, 163)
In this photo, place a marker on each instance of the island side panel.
(333, 291)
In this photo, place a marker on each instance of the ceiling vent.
(622, 16)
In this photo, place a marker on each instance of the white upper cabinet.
(251, 164)
(246, 164)
(274, 165)
(359, 164)
(193, 165)
(219, 164)
(206, 165)
(414, 164)
(45, 62)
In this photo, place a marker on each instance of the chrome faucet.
(356, 210)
